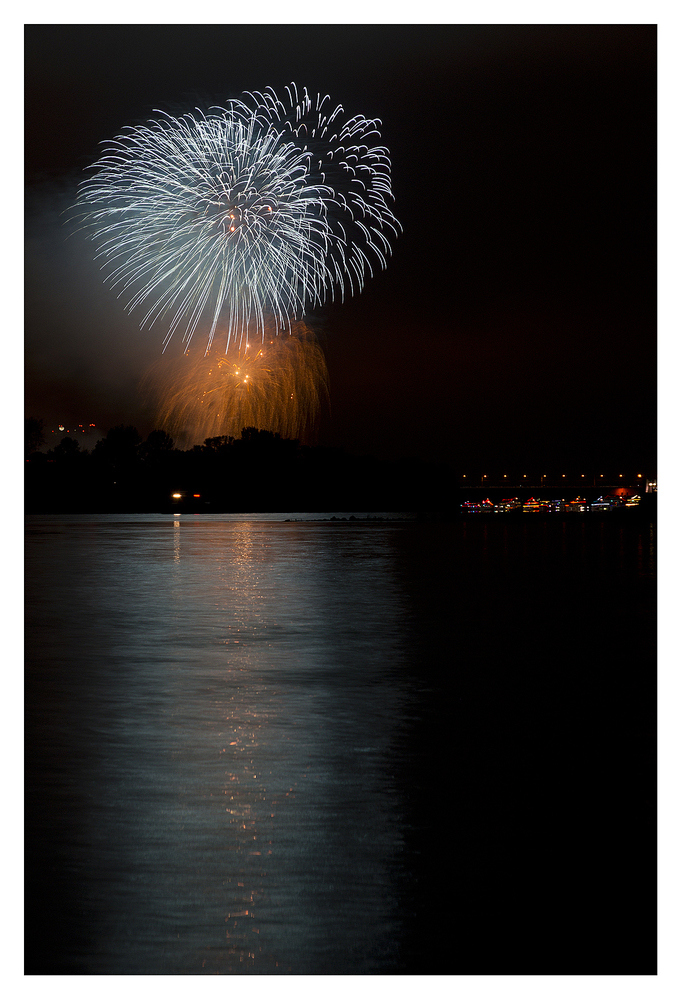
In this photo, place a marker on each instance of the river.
(281, 744)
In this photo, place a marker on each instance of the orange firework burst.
(278, 385)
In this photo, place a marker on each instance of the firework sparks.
(248, 213)
(279, 384)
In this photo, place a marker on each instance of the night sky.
(515, 326)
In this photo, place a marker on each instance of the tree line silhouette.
(259, 471)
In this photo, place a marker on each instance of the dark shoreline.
(262, 472)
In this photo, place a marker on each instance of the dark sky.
(516, 322)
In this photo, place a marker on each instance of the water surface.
(277, 744)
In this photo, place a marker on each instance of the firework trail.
(255, 212)
(279, 385)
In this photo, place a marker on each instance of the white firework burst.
(240, 215)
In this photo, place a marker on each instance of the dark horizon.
(516, 321)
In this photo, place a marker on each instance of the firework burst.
(279, 384)
(255, 212)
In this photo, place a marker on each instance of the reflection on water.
(259, 747)
(230, 697)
